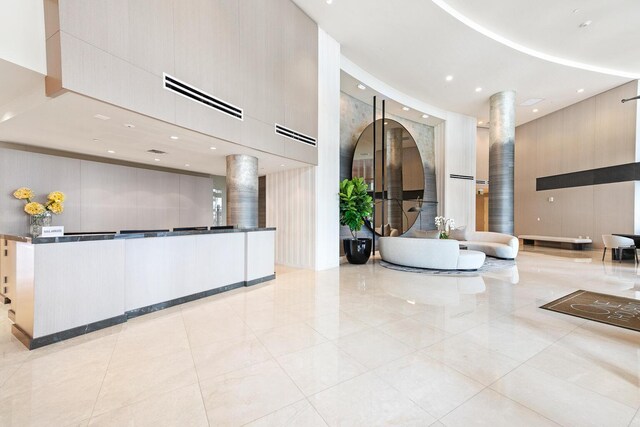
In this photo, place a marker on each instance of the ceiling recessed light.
(480, 122)
(95, 140)
(425, 116)
(157, 160)
(478, 89)
(406, 108)
(101, 117)
(535, 110)
(580, 90)
(361, 86)
(448, 78)
(329, 1)
(282, 165)
(111, 152)
(585, 24)
(174, 137)
(212, 148)
(386, 123)
(187, 164)
(129, 125)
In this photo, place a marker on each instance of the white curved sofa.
(434, 254)
(497, 245)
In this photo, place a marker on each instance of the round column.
(393, 178)
(502, 132)
(242, 191)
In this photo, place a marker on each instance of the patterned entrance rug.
(603, 308)
(490, 264)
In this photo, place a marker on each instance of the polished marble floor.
(357, 345)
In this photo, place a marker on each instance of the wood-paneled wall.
(101, 196)
(260, 55)
(597, 132)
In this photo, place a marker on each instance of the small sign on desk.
(54, 231)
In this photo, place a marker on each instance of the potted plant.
(355, 205)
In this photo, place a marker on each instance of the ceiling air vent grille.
(195, 94)
(297, 136)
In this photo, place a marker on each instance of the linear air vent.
(455, 176)
(197, 95)
(297, 136)
(154, 151)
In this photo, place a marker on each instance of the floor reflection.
(436, 290)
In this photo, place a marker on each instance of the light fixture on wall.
(630, 99)
(361, 86)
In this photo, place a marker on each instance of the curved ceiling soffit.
(526, 50)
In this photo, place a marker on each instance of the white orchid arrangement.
(444, 225)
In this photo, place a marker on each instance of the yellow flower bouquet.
(53, 203)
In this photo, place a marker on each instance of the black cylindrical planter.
(357, 251)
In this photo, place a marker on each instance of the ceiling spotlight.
(129, 125)
(282, 165)
(580, 90)
(361, 86)
(480, 122)
(187, 164)
(478, 89)
(95, 140)
(386, 123)
(212, 148)
(101, 117)
(111, 152)
(425, 116)
(157, 160)
(535, 110)
(406, 108)
(174, 137)
(448, 78)
(329, 1)
(585, 24)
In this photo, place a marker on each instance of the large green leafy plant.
(355, 204)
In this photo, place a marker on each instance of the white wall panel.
(291, 208)
(101, 196)
(22, 34)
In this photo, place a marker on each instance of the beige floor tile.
(86, 362)
(605, 366)
(229, 355)
(413, 333)
(139, 380)
(372, 347)
(56, 404)
(336, 325)
(203, 333)
(300, 414)
(245, 395)
(290, 338)
(561, 401)
(374, 315)
(473, 360)
(491, 409)
(264, 319)
(368, 401)
(182, 407)
(636, 421)
(514, 344)
(317, 368)
(435, 387)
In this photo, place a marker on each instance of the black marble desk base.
(33, 343)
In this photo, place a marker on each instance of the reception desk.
(67, 286)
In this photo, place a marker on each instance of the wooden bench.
(574, 242)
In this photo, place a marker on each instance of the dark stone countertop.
(141, 235)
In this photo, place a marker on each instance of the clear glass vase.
(36, 222)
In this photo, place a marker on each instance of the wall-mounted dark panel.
(607, 175)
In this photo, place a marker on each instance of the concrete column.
(393, 178)
(242, 190)
(502, 132)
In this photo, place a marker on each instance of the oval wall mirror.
(403, 175)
